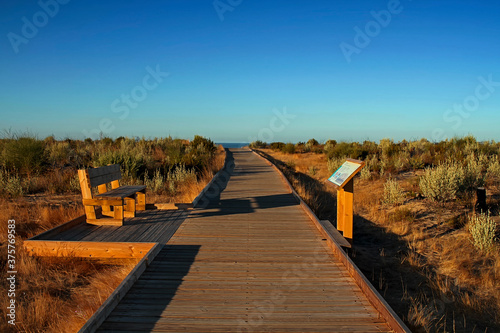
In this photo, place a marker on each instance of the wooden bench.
(117, 203)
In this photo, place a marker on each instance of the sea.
(233, 144)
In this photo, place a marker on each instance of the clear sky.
(241, 70)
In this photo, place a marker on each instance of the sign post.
(343, 181)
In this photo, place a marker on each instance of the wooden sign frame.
(343, 180)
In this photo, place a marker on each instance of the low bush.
(334, 163)
(12, 185)
(258, 145)
(155, 184)
(393, 194)
(474, 173)
(482, 229)
(289, 148)
(442, 183)
(365, 173)
(25, 154)
(276, 145)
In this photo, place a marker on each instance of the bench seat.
(121, 192)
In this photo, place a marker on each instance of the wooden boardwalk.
(250, 261)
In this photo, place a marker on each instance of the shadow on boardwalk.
(144, 304)
(246, 205)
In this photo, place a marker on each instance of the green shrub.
(493, 171)
(300, 147)
(203, 144)
(12, 185)
(131, 164)
(365, 173)
(334, 163)
(24, 154)
(329, 145)
(155, 184)
(258, 145)
(387, 147)
(393, 194)
(58, 153)
(352, 150)
(442, 183)
(482, 229)
(369, 148)
(372, 163)
(74, 184)
(181, 174)
(417, 162)
(289, 148)
(311, 144)
(401, 161)
(277, 145)
(474, 174)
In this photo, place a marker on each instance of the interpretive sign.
(346, 172)
(343, 179)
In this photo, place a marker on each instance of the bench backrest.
(104, 175)
(99, 177)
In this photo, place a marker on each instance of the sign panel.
(344, 173)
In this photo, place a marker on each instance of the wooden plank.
(102, 202)
(121, 192)
(334, 234)
(87, 249)
(74, 234)
(340, 209)
(347, 214)
(106, 221)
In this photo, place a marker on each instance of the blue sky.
(241, 70)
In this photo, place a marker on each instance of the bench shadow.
(143, 307)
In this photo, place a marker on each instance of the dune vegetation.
(39, 189)
(418, 234)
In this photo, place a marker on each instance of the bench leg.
(118, 212)
(90, 212)
(129, 207)
(141, 200)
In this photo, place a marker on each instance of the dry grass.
(59, 294)
(53, 295)
(418, 254)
